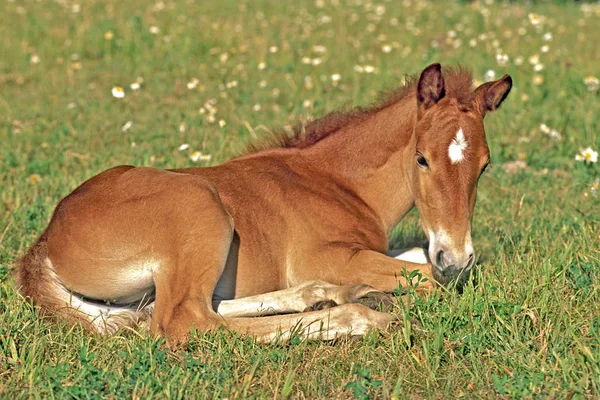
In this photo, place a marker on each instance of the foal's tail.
(37, 282)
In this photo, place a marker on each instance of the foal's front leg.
(310, 295)
(386, 273)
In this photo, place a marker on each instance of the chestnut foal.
(271, 233)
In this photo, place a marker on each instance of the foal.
(275, 231)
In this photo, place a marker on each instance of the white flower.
(308, 82)
(222, 123)
(193, 83)
(319, 49)
(587, 155)
(198, 156)
(155, 30)
(545, 48)
(369, 69)
(118, 92)
(316, 61)
(359, 68)
(595, 186)
(592, 83)
(386, 48)
(262, 66)
(183, 147)
(547, 36)
(538, 67)
(126, 126)
(519, 60)
(135, 86)
(490, 75)
(306, 60)
(35, 59)
(502, 59)
(534, 59)
(554, 134)
(273, 49)
(336, 77)
(307, 103)
(35, 178)
(256, 107)
(534, 19)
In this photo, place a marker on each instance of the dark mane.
(458, 82)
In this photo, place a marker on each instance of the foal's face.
(450, 155)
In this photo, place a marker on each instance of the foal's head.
(450, 155)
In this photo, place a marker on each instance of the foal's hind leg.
(202, 232)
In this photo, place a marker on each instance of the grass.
(529, 326)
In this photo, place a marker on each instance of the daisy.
(198, 156)
(587, 155)
(592, 83)
(534, 19)
(118, 92)
(35, 178)
(126, 126)
(193, 83)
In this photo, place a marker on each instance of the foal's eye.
(421, 161)
(484, 167)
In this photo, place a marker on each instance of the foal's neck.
(373, 159)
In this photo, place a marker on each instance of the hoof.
(321, 305)
(377, 301)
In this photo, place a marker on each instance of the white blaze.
(457, 147)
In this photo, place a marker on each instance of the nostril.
(471, 261)
(439, 259)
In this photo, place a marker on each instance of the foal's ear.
(430, 88)
(490, 95)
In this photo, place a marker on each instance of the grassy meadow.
(202, 79)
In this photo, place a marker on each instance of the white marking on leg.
(291, 300)
(415, 255)
(457, 147)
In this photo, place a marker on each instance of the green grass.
(529, 327)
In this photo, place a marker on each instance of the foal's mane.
(458, 83)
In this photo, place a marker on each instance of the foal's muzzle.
(448, 266)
